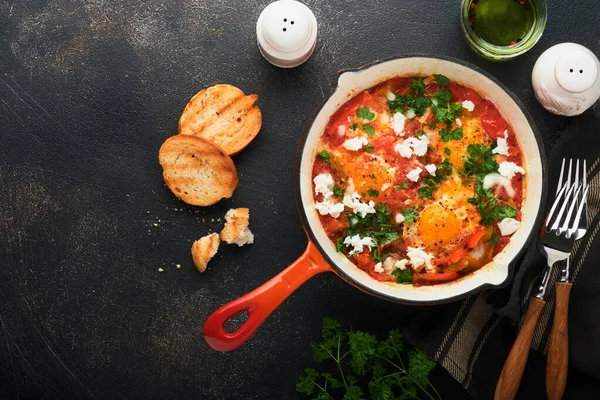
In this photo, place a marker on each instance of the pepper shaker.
(565, 79)
(286, 32)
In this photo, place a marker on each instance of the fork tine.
(584, 174)
(568, 182)
(565, 203)
(556, 203)
(560, 178)
(570, 213)
(579, 211)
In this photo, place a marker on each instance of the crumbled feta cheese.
(385, 186)
(468, 105)
(410, 113)
(502, 147)
(353, 201)
(358, 243)
(323, 184)
(419, 145)
(341, 130)
(418, 257)
(399, 218)
(378, 268)
(509, 169)
(398, 123)
(328, 206)
(356, 143)
(431, 168)
(508, 226)
(458, 122)
(413, 175)
(401, 264)
(403, 149)
(494, 179)
(391, 96)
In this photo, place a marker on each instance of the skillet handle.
(262, 301)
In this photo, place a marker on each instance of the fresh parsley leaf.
(425, 192)
(420, 133)
(432, 124)
(490, 208)
(441, 79)
(447, 151)
(338, 191)
(443, 97)
(447, 136)
(354, 126)
(404, 185)
(467, 181)
(417, 87)
(420, 366)
(368, 129)
(373, 176)
(365, 113)
(410, 214)
(402, 103)
(369, 148)
(373, 193)
(325, 156)
(480, 160)
(494, 239)
(403, 275)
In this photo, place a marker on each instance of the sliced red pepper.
(454, 257)
(475, 238)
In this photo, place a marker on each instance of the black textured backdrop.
(88, 92)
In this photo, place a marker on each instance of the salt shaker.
(565, 79)
(286, 32)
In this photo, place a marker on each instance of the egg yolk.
(438, 226)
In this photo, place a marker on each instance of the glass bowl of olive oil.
(502, 29)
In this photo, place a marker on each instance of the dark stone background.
(88, 92)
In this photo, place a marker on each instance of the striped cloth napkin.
(472, 338)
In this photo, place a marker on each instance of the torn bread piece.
(204, 249)
(236, 229)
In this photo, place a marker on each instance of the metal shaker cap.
(286, 32)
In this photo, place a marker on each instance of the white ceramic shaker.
(565, 79)
(286, 32)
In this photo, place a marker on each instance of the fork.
(557, 240)
(558, 352)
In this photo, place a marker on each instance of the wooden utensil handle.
(558, 352)
(511, 375)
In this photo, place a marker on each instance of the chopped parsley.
(404, 185)
(490, 208)
(410, 214)
(354, 126)
(443, 97)
(441, 79)
(338, 191)
(372, 192)
(480, 160)
(369, 148)
(420, 133)
(447, 151)
(417, 87)
(402, 103)
(403, 275)
(432, 124)
(368, 129)
(442, 172)
(325, 156)
(494, 239)
(467, 181)
(365, 113)
(447, 136)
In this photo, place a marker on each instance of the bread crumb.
(236, 230)
(161, 270)
(204, 249)
(178, 266)
(155, 224)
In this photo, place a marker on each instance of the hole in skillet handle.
(235, 322)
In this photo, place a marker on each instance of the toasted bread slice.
(197, 171)
(236, 229)
(204, 249)
(223, 115)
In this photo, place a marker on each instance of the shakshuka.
(419, 180)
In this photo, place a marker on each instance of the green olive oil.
(501, 22)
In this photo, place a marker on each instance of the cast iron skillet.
(321, 255)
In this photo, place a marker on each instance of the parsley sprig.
(417, 100)
(447, 135)
(480, 160)
(490, 208)
(363, 364)
(442, 172)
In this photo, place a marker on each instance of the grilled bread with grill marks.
(223, 115)
(196, 170)
(204, 249)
